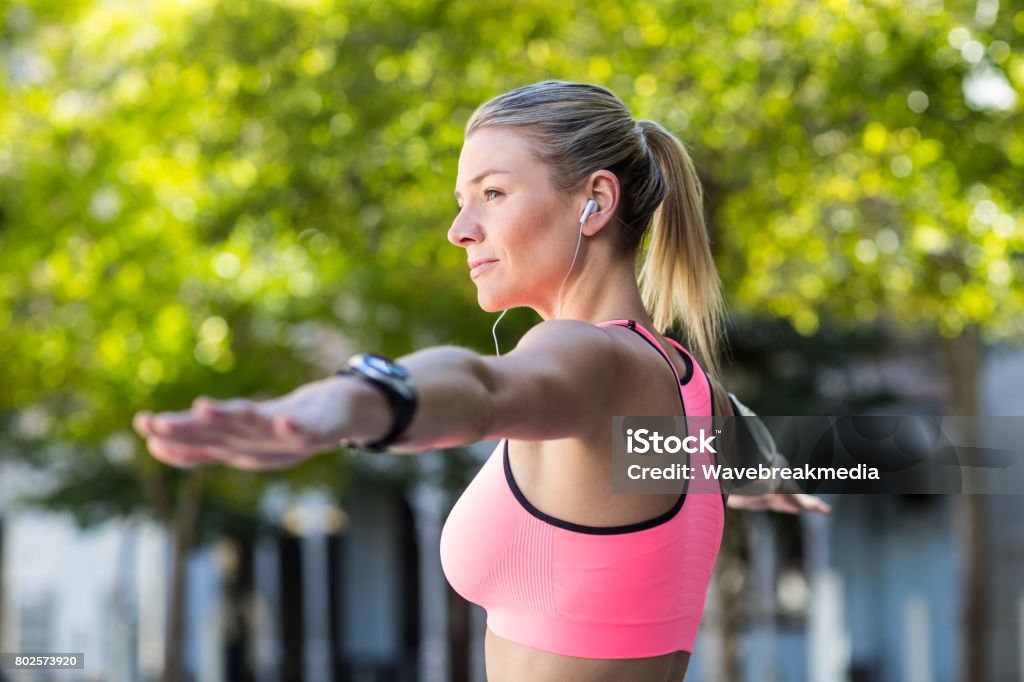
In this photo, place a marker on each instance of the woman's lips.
(481, 269)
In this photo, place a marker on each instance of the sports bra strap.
(691, 363)
(687, 358)
(649, 338)
(703, 384)
(698, 391)
(631, 324)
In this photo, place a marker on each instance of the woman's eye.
(492, 194)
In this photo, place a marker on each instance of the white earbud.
(592, 207)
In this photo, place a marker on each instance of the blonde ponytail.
(678, 279)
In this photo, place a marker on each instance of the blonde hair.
(576, 129)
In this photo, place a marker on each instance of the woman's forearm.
(454, 402)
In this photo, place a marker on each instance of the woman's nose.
(464, 229)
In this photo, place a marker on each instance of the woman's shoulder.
(559, 378)
(573, 340)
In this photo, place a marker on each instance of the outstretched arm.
(555, 381)
(553, 384)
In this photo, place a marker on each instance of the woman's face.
(510, 214)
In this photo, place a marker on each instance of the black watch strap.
(393, 380)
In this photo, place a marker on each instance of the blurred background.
(230, 198)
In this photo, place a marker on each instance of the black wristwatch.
(395, 382)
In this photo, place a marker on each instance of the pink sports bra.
(628, 591)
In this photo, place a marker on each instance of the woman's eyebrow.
(477, 179)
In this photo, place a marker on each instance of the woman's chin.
(492, 305)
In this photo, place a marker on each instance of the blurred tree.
(186, 187)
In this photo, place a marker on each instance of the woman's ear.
(602, 187)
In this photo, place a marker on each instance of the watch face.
(386, 367)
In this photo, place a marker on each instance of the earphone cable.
(494, 332)
(579, 240)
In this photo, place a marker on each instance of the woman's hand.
(249, 434)
(790, 503)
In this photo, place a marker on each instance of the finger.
(185, 455)
(213, 445)
(295, 434)
(203, 413)
(140, 422)
(167, 423)
(250, 462)
(820, 505)
(230, 406)
(207, 424)
(194, 434)
(234, 435)
(808, 502)
(238, 418)
(215, 428)
(254, 433)
(748, 502)
(786, 508)
(186, 452)
(236, 431)
(202, 403)
(264, 434)
(171, 453)
(286, 428)
(240, 460)
(787, 504)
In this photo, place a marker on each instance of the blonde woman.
(558, 186)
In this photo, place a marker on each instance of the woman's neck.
(604, 293)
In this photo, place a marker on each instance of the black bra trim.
(664, 517)
(685, 379)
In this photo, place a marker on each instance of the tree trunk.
(733, 604)
(183, 527)
(1, 581)
(963, 362)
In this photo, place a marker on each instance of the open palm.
(243, 433)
